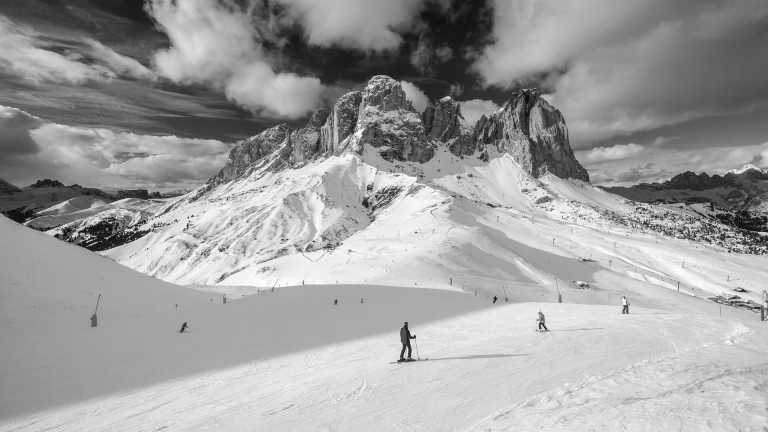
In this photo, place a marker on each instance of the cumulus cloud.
(612, 153)
(104, 157)
(360, 24)
(622, 67)
(217, 43)
(415, 95)
(473, 109)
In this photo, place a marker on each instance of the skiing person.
(541, 321)
(183, 327)
(495, 299)
(624, 305)
(405, 339)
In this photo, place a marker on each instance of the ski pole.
(416, 344)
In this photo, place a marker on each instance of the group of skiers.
(541, 325)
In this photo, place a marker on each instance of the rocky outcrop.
(381, 119)
(249, 151)
(304, 142)
(340, 123)
(533, 132)
(388, 122)
(443, 120)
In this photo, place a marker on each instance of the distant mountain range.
(739, 197)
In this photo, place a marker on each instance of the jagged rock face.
(340, 123)
(381, 118)
(305, 142)
(533, 132)
(388, 122)
(245, 154)
(443, 121)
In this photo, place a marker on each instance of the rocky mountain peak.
(384, 94)
(443, 120)
(382, 119)
(533, 132)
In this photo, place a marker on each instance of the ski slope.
(291, 360)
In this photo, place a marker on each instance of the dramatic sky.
(152, 93)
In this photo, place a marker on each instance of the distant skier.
(495, 299)
(335, 302)
(183, 327)
(405, 339)
(624, 305)
(542, 322)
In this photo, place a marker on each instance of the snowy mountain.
(372, 192)
(23, 204)
(325, 238)
(738, 198)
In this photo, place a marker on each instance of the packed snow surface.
(289, 359)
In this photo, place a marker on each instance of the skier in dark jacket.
(541, 321)
(183, 327)
(405, 339)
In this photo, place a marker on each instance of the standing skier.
(405, 339)
(183, 327)
(624, 305)
(541, 321)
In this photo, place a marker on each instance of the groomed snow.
(291, 360)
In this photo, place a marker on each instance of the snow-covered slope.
(455, 223)
(291, 360)
(51, 355)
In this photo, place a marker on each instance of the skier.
(541, 321)
(183, 327)
(495, 299)
(335, 302)
(405, 339)
(624, 305)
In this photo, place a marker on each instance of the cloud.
(217, 43)
(612, 153)
(662, 162)
(23, 55)
(622, 67)
(118, 63)
(15, 125)
(473, 109)
(359, 24)
(415, 95)
(104, 157)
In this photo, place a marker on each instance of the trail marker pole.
(94, 317)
